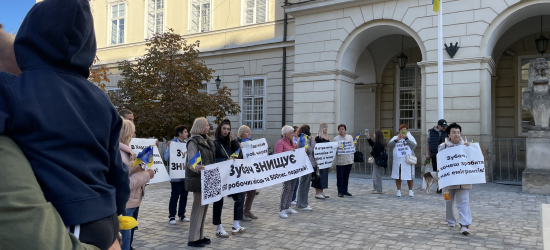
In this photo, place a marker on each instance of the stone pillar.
(536, 177)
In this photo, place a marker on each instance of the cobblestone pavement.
(503, 218)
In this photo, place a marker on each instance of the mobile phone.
(366, 131)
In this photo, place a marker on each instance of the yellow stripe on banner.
(436, 5)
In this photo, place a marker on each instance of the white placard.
(254, 149)
(137, 145)
(461, 165)
(178, 159)
(348, 148)
(236, 176)
(402, 148)
(324, 154)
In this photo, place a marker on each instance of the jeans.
(295, 189)
(127, 234)
(303, 191)
(376, 178)
(178, 192)
(135, 215)
(342, 178)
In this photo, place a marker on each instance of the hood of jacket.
(65, 42)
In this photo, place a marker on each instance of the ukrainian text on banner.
(137, 145)
(236, 176)
(346, 147)
(324, 154)
(461, 165)
(254, 149)
(403, 148)
(178, 159)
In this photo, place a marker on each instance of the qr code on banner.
(212, 183)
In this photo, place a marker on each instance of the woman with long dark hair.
(377, 147)
(303, 191)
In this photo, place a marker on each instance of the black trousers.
(135, 215)
(434, 164)
(217, 212)
(238, 209)
(342, 178)
(178, 193)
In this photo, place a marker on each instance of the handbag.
(315, 174)
(358, 156)
(411, 159)
(382, 160)
(371, 160)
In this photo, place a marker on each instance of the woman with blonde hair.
(245, 133)
(402, 144)
(321, 182)
(138, 177)
(281, 146)
(199, 142)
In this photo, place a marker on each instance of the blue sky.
(12, 13)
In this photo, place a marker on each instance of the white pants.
(460, 197)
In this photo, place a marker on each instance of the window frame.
(207, 90)
(190, 14)
(110, 22)
(522, 84)
(417, 92)
(146, 19)
(243, 13)
(264, 110)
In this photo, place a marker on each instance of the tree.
(163, 88)
(99, 76)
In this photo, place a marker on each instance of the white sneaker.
(308, 208)
(320, 196)
(293, 203)
(283, 215)
(411, 193)
(184, 219)
(464, 230)
(450, 224)
(172, 221)
(290, 211)
(222, 233)
(398, 193)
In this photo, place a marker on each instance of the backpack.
(382, 160)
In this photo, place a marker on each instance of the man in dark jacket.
(436, 136)
(65, 125)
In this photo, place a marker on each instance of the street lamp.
(542, 41)
(402, 59)
(218, 82)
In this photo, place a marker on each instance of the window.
(409, 97)
(253, 103)
(204, 88)
(526, 120)
(255, 11)
(200, 16)
(117, 23)
(155, 17)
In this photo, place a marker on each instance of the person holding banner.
(138, 177)
(377, 148)
(402, 169)
(225, 145)
(202, 146)
(305, 141)
(321, 182)
(459, 194)
(343, 162)
(295, 137)
(245, 134)
(285, 145)
(178, 185)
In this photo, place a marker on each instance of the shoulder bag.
(382, 160)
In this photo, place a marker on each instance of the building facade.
(341, 61)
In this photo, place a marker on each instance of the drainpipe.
(284, 68)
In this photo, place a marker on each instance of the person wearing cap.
(436, 136)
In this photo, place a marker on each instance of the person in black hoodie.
(377, 147)
(226, 144)
(65, 125)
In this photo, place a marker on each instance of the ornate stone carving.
(537, 96)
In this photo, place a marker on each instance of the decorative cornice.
(482, 60)
(326, 72)
(309, 7)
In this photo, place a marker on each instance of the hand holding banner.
(137, 145)
(178, 158)
(461, 165)
(324, 154)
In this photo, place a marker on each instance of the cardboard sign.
(137, 145)
(461, 165)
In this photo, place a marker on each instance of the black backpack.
(382, 160)
(358, 157)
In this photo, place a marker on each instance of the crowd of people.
(73, 202)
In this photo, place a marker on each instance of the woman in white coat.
(403, 145)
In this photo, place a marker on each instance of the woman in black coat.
(377, 147)
(321, 182)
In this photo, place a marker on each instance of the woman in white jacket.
(403, 145)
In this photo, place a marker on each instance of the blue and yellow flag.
(303, 141)
(195, 160)
(356, 138)
(236, 154)
(145, 156)
(436, 5)
(342, 145)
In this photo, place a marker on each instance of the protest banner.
(178, 159)
(137, 145)
(324, 154)
(403, 148)
(346, 147)
(254, 149)
(236, 176)
(461, 165)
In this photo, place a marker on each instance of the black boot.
(197, 243)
